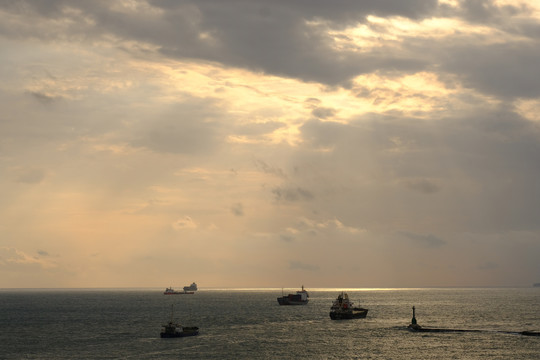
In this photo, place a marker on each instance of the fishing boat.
(300, 298)
(174, 330)
(343, 308)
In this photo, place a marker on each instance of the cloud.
(323, 113)
(376, 125)
(430, 241)
(485, 11)
(258, 129)
(298, 265)
(252, 37)
(286, 238)
(268, 169)
(43, 253)
(425, 186)
(184, 223)
(29, 175)
(486, 68)
(238, 209)
(187, 128)
(488, 265)
(485, 155)
(312, 103)
(12, 257)
(43, 97)
(330, 226)
(292, 194)
(255, 37)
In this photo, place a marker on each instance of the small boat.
(174, 330)
(300, 298)
(343, 308)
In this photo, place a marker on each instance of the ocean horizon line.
(258, 288)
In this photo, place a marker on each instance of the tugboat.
(343, 308)
(300, 298)
(170, 291)
(173, 330)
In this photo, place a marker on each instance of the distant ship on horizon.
(300, 298)
(536, 285)
(192, 287)
(187, 290)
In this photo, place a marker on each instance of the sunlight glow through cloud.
(253, 143)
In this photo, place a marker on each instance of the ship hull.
(287, 301)
(163, 335)
(356, 313)
(187, 332)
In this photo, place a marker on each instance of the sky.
(258, 143)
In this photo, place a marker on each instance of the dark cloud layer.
(483, 164)
(289, 38)
(503, 70)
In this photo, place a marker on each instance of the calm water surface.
(234, 324)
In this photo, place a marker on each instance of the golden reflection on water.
(308, 289)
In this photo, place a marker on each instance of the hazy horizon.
(236, 143)
(270, 289)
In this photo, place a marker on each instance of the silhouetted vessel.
(174, 330)
(187, 290)
(300, 298)
(343, 308)
(171, 291)
(192, 287)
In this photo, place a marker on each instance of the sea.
(250, 324)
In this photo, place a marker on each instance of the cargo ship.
(192, 287)
(300, 298)
(190, 290)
